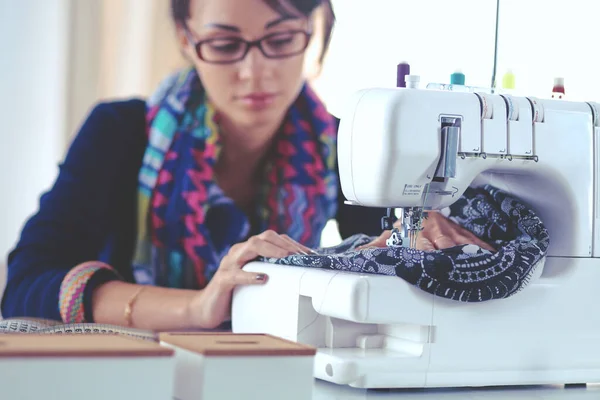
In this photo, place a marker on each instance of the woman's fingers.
(467, 237)
(241, 277)
(267, 244)
(227, 279)
(425, 244)
(287, 242)
(301, 248)
(476, 241)
(377, 242)
(280, 241)
(445, 233)
(443, 242)
(257, 247)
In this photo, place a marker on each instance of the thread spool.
(413, 81)
(512, 108)
(487, 110)
(457, 78)
(537, 110)
(402, 71)
(558, 89)
(508, 80)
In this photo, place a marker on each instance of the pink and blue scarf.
(186, 224)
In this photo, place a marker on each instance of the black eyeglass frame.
(249, 45)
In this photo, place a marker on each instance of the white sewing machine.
(381, 332)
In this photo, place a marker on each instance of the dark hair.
(180, 11)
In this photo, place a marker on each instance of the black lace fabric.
(464, 273)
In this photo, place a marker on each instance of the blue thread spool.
(457, 78)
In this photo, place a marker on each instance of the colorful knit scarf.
(186, 224)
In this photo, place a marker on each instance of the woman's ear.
(183, 41)
(313, 57)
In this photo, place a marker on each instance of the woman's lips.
(258, 101)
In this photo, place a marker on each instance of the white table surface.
(328, 391)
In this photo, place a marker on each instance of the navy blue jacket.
(90, 213)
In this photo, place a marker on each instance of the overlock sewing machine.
(381, 332)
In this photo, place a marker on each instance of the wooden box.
(228, 366)
(90, 367)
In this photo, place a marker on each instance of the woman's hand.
(212, 306)
(438, 232)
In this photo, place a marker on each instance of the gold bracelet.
(129, 306)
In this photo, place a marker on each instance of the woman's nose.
(255, 65)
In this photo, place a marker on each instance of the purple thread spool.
(403, 70)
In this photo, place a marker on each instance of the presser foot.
(406, 236)
(397, 239)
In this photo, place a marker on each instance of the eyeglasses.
(229, 50)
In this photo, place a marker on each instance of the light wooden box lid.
(229, 344)
(78, 345)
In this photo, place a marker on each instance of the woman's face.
(253, 90)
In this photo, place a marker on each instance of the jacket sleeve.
(71, 224)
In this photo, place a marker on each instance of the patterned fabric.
(464, 273)
(71, 294)
(186, 223)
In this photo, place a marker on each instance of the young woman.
(160, 202)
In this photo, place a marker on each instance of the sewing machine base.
(380, 332)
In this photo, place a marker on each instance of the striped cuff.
(72, 288)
